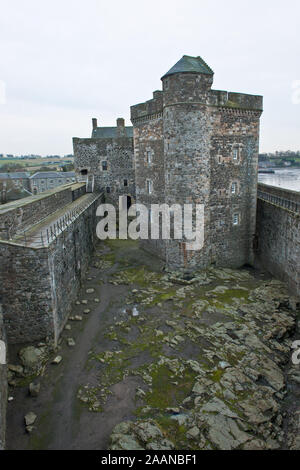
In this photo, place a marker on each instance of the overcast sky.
(66, 61)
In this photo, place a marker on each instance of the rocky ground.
(158, 360)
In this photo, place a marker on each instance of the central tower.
(199, 146)
(186, 129)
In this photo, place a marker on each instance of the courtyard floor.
(163, 361)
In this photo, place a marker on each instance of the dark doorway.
(128, 201)
(84, 172)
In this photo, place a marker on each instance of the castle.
(190, 144)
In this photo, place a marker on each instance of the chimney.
(95, 125)
(121, 122)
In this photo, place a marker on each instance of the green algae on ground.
(168, 390)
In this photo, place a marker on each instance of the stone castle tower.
(196, 145)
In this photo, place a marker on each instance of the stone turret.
(186, 129)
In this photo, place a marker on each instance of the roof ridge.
(190, 64)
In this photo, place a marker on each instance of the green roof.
(188, 64)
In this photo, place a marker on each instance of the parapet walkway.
(45, 232)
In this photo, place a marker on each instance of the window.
(236, 219)
(167, 84)
(84, 172)
(125, 183)
(104, 165)
(236, 152)
(149, 157)
(234, 188)
(108, 189)
(149, 186)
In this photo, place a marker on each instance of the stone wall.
(38, 285)
(25, 292)
(109, 159)
(278, 237)
(68, 260)
(3, 388)
(203, 142)
(19, 215)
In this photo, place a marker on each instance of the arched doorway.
(128, 201)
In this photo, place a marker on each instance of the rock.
(57, 360)
(159, 333)
(224, 432)
(193, 433)
(124, 442)
(224, 365)
(86, 311)
(147, 431)
(71, 342)
(164, 444)
(18, 370)
(78, 318)
(140, 393)
(173, 410)
(198, 389)
(90, 291)
(32, 359)
(30, 418)
(29, 429)
(255, 444)
(68, 327)
(97, 300)
(84, 302)
(10, 399)
(217, 406)
(296, 378)
(34, 389)
(77, 302)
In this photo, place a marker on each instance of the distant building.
(45, 180)
(14, 186)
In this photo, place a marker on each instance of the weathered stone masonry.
(278, 234)
(3, 388)
(107, 157)
(196, 145)
(38, 285)
(19, 215)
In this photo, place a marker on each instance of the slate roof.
(110, 132)
(53, 174)
(188, 64)
(14, 176)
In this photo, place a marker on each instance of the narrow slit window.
(125, 183)
(235, 153)
(104, 165)
(149, 186)
(234, 188)
(236, 219)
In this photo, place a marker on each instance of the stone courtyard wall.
(278, 236)
(19, 215)
(3, 389)
(38, 285)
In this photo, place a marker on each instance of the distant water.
(287, 178)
